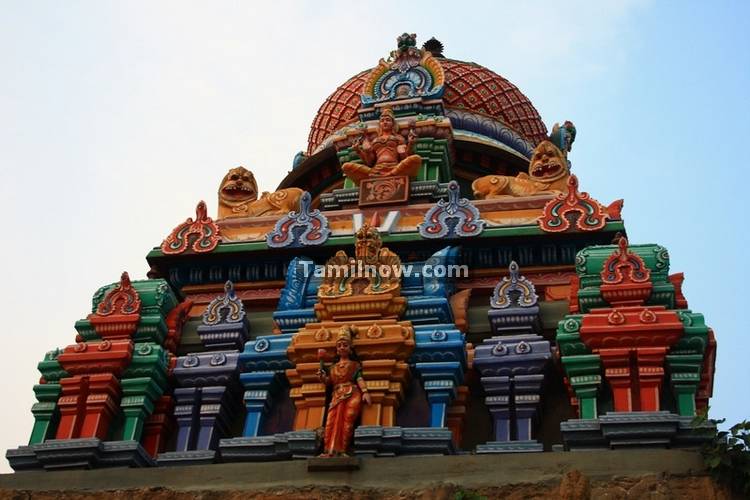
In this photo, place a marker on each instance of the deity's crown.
(368, 233)
(345, 333)
(389, 112)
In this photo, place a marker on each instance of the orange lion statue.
(238, 197)
(548, 173)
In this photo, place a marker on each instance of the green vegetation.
(727, 455)
(468, 495)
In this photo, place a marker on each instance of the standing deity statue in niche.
(349, 390)
(238, 197)
(389, 154)
(549, 170)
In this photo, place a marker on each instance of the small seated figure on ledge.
(388, 154)
(349, 389)
(238, 197)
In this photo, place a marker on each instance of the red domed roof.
(469, 86)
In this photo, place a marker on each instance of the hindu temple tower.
(509, 312)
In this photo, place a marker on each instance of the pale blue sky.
(117, 117)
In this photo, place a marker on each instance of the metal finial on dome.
(434, 47)
(406, 41)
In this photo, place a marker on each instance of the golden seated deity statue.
(388, 154)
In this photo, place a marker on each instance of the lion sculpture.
(238, 197)
(549, 170)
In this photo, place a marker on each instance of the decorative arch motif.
(227, 308)
(589, 214)
(624, 266)
(408, 72)
(201, 235)
(514, 290)
(304, 228)
(121, 300)
(454, 218)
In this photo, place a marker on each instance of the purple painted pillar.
(497, 401)
(511, 364)
(526, 398)
(209, 392)
(187, 402)
(216, 403)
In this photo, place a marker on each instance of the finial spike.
(375, 220)
(434, 47)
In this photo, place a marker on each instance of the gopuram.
(430, 278)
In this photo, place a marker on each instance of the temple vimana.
(430, 278)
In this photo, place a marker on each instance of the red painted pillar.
(456, 414)
(616, 364)
(91, 395)
(101, 405)
(158, 426)
(572, 397)
(72, 404)
(650, 375)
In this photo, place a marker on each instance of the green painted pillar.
(139, 396)
(142, 383)
(587, 389)
(584, 374)
(685, 377)
(685, 395)
(45, 412)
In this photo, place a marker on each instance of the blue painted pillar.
(440, 380)
(259, 388)
(439, 395)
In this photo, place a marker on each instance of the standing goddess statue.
(349, 389)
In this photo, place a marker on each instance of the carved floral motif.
(383, 190)
(625, 278)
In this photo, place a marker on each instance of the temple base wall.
(578, 475)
